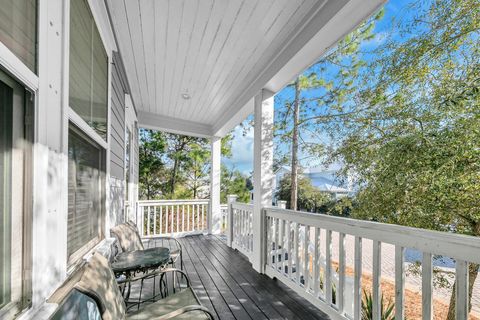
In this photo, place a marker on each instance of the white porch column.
(231, 199)
(262, 170)
(214, 213)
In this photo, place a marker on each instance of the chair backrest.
(127, 237)
(77, 305)
(98, 282)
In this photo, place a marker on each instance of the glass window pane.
(18, 29)
(88, 69)
(80, 59)
(6, 106)
(85, 190)
(100, 82)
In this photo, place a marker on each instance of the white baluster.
(461, 290)
(289, 248)
(295, 248)
(316, 261)
(328, 267)
(357, 292)
(172, 216)
(399, 282)
(306, 258)
(155, 220)
(281, 247)
(183, 218)
(148, 220)
(341, 273)
(427, 286)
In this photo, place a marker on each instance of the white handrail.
(289, 258)
(452, 245)
(172, 217)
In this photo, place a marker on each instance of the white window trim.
(86, 128)
(100, 17)
(18, 69)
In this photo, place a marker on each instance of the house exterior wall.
(47, 261)
(117, 124)
(119, 87)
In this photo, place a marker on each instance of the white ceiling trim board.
(155, 121)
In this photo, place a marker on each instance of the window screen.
(88, 68)
(85, 191)
(18, 29)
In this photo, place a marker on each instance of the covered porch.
(226, 284)
(194, 68)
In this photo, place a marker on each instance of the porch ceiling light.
(185, 95)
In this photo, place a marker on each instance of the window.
(14, 183)
(6, 94)
(18, 29)
(88, 69)
(86, 194)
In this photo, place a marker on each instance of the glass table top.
(141, 259)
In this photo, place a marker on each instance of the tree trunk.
(472, 276)
(173, 181)
(294, 172)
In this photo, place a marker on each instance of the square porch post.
(262, 171)
(214, 219)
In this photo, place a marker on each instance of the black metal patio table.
(128, 264)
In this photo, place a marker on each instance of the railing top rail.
(452, 245)
(180, 201)
(242, 206)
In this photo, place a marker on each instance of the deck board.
(227, 284)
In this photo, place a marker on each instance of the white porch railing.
(298, 250)
(293, 245)
(242, 235)
(224, 218)
(172, 217)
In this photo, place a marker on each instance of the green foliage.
(174, 166)
(341, 207)
(412, 135)
(386, 308)
(309, 198)
(412, 138)
(233, 182)
(152, 167)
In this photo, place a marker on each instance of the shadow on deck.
(226, 283)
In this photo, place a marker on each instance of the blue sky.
(242, 144)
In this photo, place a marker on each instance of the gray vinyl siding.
(117, 144)
(136, 164)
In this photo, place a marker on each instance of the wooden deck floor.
(227, 284)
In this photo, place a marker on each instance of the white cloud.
(242, 150)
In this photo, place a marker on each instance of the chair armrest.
(185, 310)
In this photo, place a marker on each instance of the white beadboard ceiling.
(220, 52)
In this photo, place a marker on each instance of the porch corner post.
(230, 200)
(139, 218)
(263, 177)
(214, 218)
